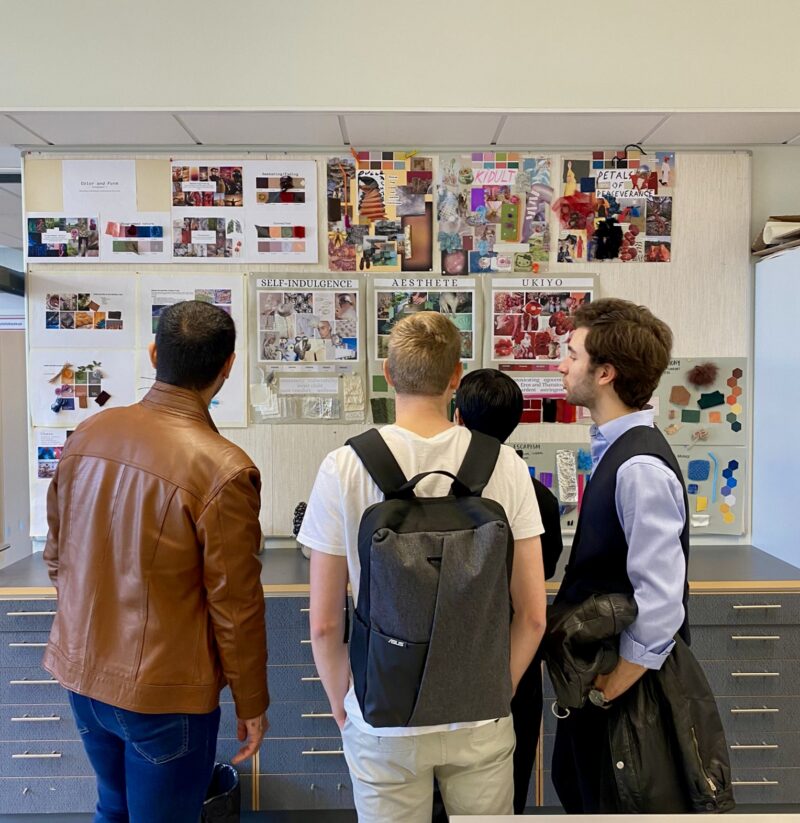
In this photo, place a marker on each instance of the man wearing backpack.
(434, 661)
(490, 402)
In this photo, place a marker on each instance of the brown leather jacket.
(154, 530)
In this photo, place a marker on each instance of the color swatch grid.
(382, 160)
(496, 160)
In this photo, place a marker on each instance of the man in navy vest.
(632, 536)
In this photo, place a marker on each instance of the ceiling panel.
(10, 158)
(106, 128)
(251, 128)
(421, 129)
(10, 206)
(726, 129)
(11, 133)
(11, 224)
(590, 130)
(10, 242)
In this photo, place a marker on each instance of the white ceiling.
(253, 128)
(596, 130)
(298, 130)
(395, 129)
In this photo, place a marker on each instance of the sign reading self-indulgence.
(307, 354)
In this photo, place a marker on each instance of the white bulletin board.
(703, 293)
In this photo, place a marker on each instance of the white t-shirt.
(343, 490)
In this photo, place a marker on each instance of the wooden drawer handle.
(763, 710)
(33, 682)
(746, 746)
(741, 607)
(755, 637)
(54, 718)
(27, 645)
(323, 752)
(310, 679)
(763, 782)
(29, 756)
(30, 614)
(755, 674)
(316, 714)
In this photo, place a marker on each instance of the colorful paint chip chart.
(702, 401)
(716, 487)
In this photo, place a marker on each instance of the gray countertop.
(711, 568)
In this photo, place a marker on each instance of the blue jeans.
(151, 768)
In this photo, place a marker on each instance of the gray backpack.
(430, 637)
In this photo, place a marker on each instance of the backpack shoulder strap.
(478, 464)
(380, 463)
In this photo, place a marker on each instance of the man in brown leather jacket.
(152, 548)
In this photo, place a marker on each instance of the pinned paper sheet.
(702, 503)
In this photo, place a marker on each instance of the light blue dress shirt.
(649, 500)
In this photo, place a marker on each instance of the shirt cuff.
(526, 534)
(317, 546)
(635, 652)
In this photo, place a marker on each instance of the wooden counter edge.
(696, 587)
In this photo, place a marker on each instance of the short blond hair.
(424, 351)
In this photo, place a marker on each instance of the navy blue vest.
(598, 560)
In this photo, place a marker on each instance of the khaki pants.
(393, 776)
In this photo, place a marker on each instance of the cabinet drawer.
(757, 642)
(761, 715)
(548, 742)
(37, 722)
(286, 615)
(227, 721)
(294, 683)
(753, 677)
(44, 758)
(310, 755)
(770, 749)
(27, 615)
(548, 718)
(41, 795)
(290, 649)
(226, 751)
(304, 791)
(743, 609)
(756, 785)
(301, 718)
(22, 648)
(549, 796)
(30, 685)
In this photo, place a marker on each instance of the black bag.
(430, 642)
(224, 797)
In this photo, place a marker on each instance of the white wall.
(442, 54)
(776, 183)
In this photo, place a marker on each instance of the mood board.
(701, 292)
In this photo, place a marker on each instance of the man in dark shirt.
(490, 402)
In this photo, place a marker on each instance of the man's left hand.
(620, 680)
